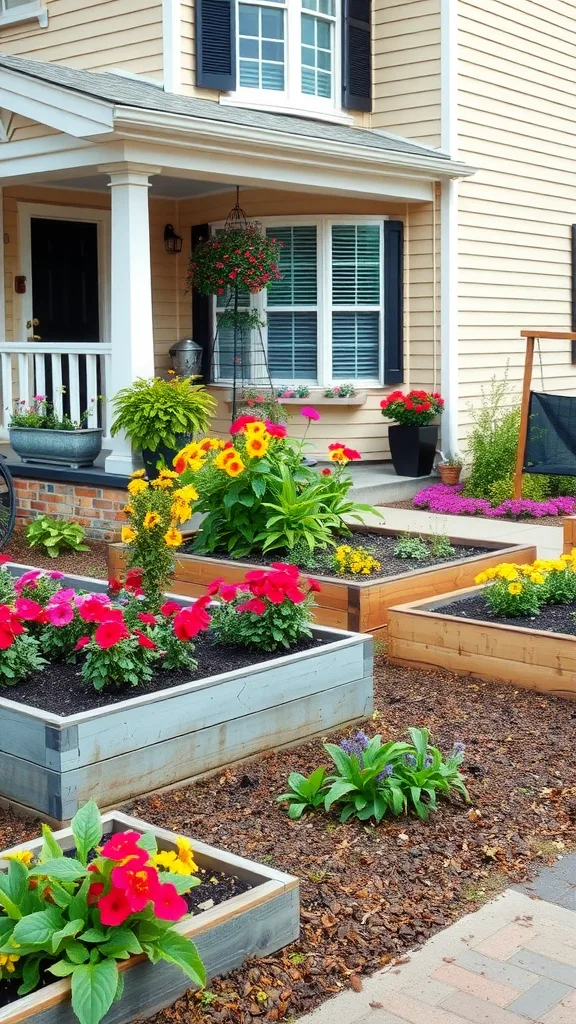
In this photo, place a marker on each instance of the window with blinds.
(356, 301)
(292, 305)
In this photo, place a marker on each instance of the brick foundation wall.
(97, 509)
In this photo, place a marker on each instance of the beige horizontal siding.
(406, 56)
(94, 35)
(517, 125)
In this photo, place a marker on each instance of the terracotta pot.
(449, 474)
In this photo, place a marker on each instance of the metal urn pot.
(186, 358)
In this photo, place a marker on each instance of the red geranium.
(144, 640)
(110, 633)
(170, 608)
(417, 408)
(134, 578)
(114, 586)
(191, 621)
(147, 618)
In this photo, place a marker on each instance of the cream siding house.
(352, 126)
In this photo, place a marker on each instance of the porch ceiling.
(161, 186)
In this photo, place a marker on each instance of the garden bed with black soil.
(380, 546)
(61, 689)
(552, 618)
(371, 894)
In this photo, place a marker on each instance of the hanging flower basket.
(239, 257)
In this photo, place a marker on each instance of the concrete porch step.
(375, 482)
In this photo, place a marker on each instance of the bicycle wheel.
(7, 505)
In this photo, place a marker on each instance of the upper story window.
(311, 55)
(12, 11)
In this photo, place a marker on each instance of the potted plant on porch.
(413, 436)
(38, 434)
(159, 416)
(450, 468)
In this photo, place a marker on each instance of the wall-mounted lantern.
(172, 241)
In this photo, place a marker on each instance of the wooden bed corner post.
(524, 410)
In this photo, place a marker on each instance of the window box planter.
(53, 764)
(313, 399)
(73, 448)
(349, 604)
(257, 922)
(422, 634)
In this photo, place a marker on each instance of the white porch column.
(131, 333)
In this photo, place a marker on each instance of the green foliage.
(440, 546)
(56, 535)
(493, 438)
(306, 793)
(534, 486)
(413, 548)
(280, 625)
(176, 654)
(41, 416)
(560, 583)
(127, 662)
(51, 919)
(158, 412)
(21, 660)
(59, 643)
(515, 598)
(562, 486)
(296, 514)
(7, 592)
(373, 779)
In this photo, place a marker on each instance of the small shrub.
(56, 535)
(440, 546)
(414, 548)
(124, 661)
(268, 610)
(493, 438)
(21, 660)
(535, 487)
(562, 486)
(356, 560)
(560, 579)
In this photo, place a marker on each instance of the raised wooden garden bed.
(421, 634)
(256, 923)
(569, 527)
(54, 764)
(350, 604)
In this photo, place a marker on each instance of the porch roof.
(125, 92)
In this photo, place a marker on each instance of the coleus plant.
(79, 916)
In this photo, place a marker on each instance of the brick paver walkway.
(511, 962)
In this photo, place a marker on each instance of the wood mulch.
(84, 563)
(527, 520)
(371, 894)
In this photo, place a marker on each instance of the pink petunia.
(26, 609)
(60, 614)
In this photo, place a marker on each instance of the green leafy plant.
(21, 660)
(56, 535)
(340, 391)
(267, 610)
(126, 660)
(493, 438)
(413, 548)
(7, 592)
(41, 415)
(159, 412)
(79, 916)
(534, 486)
(440, 546)
(560, 582)
(306, 793)
(239, 256)
(296, 514)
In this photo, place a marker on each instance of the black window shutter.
(393, 302)
(201, 313)
(216, 44)
(356, 55)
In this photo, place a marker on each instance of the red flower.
(26, 609)
(351, 453)
(275, 429)
(409, 404)
(144, 640)
(168, 905)
(95, 890)
(83, 641)
(292, 570)
(91, 610)
(419, 408)
(229, 444)
(314, 586)
(114, 907)
(123, 845)
(179, 463)
(170, 608)
(147, 618)
(241, 422)
(255, 605)
(336, 446)
(4, 559)
(134, 578)
(110, 633)
(214, 587)
(140, 884)
(191, 621)
(326, 472)
(114, 586)
(228, 591)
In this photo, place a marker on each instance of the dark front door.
(65, 280)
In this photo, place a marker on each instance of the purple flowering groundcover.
(448, 499)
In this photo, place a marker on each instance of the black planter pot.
(413, 449)
(151, 456)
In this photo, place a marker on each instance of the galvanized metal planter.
(255, 923)
(53, 764)
(74, 448)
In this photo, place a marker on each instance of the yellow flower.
(481, 578)
(164, 859)
(257, 446)
(538, 578)
(181, 511)
(128, 534)
(151, 519)
(255, 429)
(187, 493)
(173, 538)
(24, 856)
(138, 473)
(163, 483)
(185, 863)
(515, 588)
(338, 456)
(234, 467)
(137, 486)
(128, 510)
(167, 474)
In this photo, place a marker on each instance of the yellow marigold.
(184, 863)
(234, 467)
(128, 534)
(165, 859)
(151, 519)
(181, 511)
(538, 578)
(211, 444)
(173, 538)
(138, 473)
(558, 565)
(24, 856)
(337, 455)
(128, 510)
(515, 588)
(137, 486)
(163, 483)
(481, 578)
(257, 446)
(187, 493)
(167, 474)
(256, 429)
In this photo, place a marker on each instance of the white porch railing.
(85, 368)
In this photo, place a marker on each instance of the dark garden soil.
(84, 563)
(62, 690)
(553, 618)
(371, 894)
(380, 547)
(529, 520)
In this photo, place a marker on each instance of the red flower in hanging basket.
(254, 261)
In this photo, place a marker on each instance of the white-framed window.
(288, 53)
(325, 317)
(22, 10)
